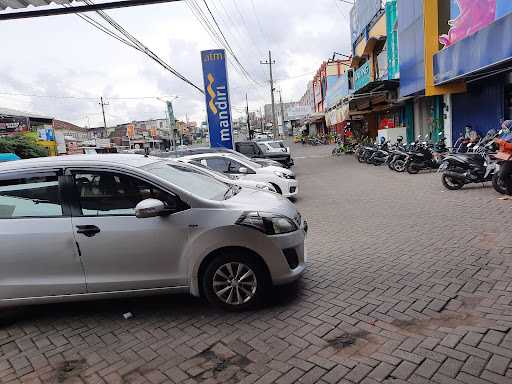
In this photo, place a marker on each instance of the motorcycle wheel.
(498, 184)
(360, 158)
(451, 183)
(399, 165)
(412, 168)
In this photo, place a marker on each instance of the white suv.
(283, 180)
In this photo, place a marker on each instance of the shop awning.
(22, 8)
(374, 43)
(18, 4)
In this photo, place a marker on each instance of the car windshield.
(276, 144)
(245, 159)
(212, 171)
(189, 179)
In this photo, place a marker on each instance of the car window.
(234, 166)
(218, 164)
(247, 149)
(106, 193)
(188, 179)
(276, 145)
(30, 196)
(263, 147)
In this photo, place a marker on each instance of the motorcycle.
(380, 156)
(426, 157)
(478, 165)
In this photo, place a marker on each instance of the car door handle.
(88, 230)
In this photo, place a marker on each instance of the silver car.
(101, 226)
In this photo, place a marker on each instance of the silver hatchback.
(102, 226)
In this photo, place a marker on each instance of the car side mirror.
(149, 208)
(243, 170)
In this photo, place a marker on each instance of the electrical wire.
(133, 42)
(83, 98)
(218, 35)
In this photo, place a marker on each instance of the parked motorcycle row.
(466, 163)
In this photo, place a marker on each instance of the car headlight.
(268, 223)
(282, 174)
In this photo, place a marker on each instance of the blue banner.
(479, 51)
(217, 98)
(362, 76)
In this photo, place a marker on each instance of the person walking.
(506, 168)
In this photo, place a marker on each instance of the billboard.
(337, 90)
(481, 50)
(217, 98)
(13, 125)
(361, 14)
(470, 16)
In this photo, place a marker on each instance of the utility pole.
(269, 62)
(261, 121)
(282, 108)
(103, 112)
(248, 118)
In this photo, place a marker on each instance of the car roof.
(129, 160)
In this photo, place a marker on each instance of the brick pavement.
(407, 283)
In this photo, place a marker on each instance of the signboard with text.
(217, 98)
(13, 125)
(362, 76)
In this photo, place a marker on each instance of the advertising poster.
(217, 98)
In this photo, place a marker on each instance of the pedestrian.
(506, 167)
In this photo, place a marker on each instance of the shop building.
(39, 127)
(455, 68)
(376, 72)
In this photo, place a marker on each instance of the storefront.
(38, 127)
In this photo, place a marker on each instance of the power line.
(217, 35)
(133, 42)
(259, 24)
(227, 43)
(94, 99)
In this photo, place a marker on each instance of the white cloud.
(65, 56)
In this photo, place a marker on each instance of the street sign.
(217, 98)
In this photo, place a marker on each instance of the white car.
(274, 146)
(227, 178)
(283, 180)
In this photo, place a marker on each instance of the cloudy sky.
(74, 64)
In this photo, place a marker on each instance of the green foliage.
(24, 147)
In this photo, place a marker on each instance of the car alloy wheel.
(235, 280)
(235, 283)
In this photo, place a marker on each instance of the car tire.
(222, 290)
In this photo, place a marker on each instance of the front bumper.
(289, 187)
(282, 270)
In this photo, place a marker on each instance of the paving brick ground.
(407, 283)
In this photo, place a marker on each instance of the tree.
(25, 147)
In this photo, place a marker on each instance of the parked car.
(274, 146)
(227, 178)
(252, 149)
(283, 180)
(102, 226)
(8, 157)
(195, 151)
